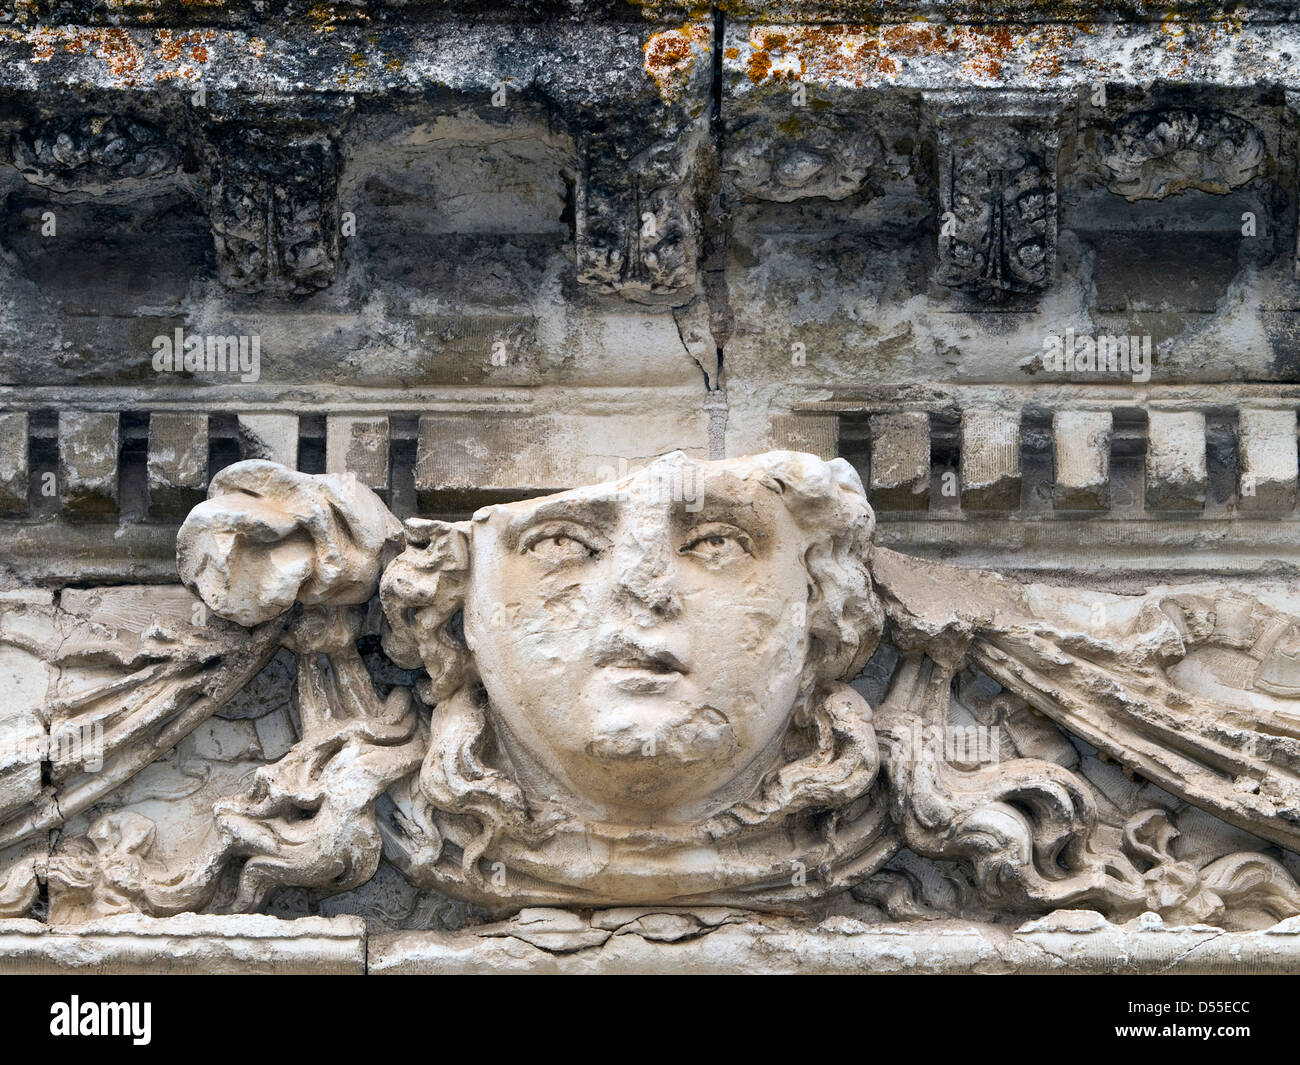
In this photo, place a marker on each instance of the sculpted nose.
(646, 575)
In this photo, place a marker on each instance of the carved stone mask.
(642, 644)
(650, 652)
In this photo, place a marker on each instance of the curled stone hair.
(828, 504)
(422, 593)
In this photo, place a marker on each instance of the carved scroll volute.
(1161, 152)
(95, 152)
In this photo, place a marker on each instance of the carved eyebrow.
(727, 508)
(583, 511)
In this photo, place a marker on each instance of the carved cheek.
(751, 625)
(554, 615)
(771, 629)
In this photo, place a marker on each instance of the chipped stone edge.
(190, 943)
(1078, 942)
(1067, 942)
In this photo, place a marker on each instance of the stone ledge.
(191, 943)
(623, 942)
(1068, 942)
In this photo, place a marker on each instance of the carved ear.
(422, 590)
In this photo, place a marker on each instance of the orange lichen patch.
(118, 48)
(775, 53)
(172, 46)
(733, 53)
(44, 42)
(169, 49)
(860, 55)
(181, 73)
(670, 56)
(985, 49)
(328, 16)
(1048, 61)
(123, 52)
(838, 53)
(917, 39)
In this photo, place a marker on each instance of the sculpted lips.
(639, 667)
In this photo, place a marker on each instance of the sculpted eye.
(717, 542)
(560, 542)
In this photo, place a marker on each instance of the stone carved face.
(643, 643)
(638, 687)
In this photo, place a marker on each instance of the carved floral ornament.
(651, 692)
(1159, 153)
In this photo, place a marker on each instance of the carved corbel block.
(830, 156)
(990, 459)
(358, 445)
(273, 206)
(1081, 459)
(1176, 460)
(178, 461)
(997, 196)
(88, 463)
(1293, 112)
(900, 461)
(1268, 460)
(636, 223)
(270, 436)
(14, 462)
(638, 115)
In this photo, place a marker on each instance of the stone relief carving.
(602, 739)
(997, 194)
(273, 208)
(92, 152)
(635, 224)
(1154, 154)
(831, 157)
(652, 693)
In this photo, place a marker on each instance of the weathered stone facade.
(891, 406)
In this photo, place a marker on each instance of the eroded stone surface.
(483, 254)
(638, 693)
